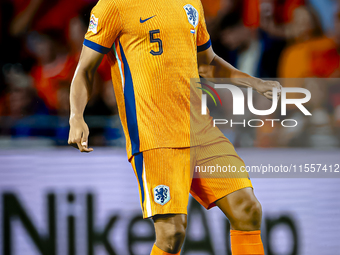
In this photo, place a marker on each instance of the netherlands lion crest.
(192, 14)
(161, 194)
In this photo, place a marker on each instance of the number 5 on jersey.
(156, 40)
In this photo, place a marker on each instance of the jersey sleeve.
(203, 37)
(105, 26)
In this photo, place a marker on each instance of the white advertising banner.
(61, 202)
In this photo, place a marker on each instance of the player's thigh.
(164, 180)
(218, 173)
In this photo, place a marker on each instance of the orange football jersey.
(152, 46)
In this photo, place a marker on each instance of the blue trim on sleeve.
(130, 105)
(96, 47)
(204, 46)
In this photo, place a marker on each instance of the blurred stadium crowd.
(41, 41)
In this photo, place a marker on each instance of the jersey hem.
(130, 155)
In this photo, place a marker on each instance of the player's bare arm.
(81, 89)
(212, 66)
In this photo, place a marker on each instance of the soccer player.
(154, 48)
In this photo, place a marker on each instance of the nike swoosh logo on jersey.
(145, 20)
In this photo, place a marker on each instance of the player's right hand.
(79, 133)
(265, 88)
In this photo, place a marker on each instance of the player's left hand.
(265, 88)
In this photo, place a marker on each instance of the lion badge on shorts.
(161, 194)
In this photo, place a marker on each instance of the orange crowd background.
(41, 42)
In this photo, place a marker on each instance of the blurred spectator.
(54, 67)
(334, 90)
(284, 9)
(48, 38)
(276, 13)
(230, 10)
(21, 98)
(247, 48)
(211, 8)
(336, 36)
(42, 15)
(7, 42)
(310, 53)
(57, 60)
(251, 13)
(19, 17)
(326, 10)
(317, 130)
(19, 103)
(320, 129)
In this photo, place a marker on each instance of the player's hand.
(265, 88)
(79, 133)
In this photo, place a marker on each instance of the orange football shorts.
(166, 176)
